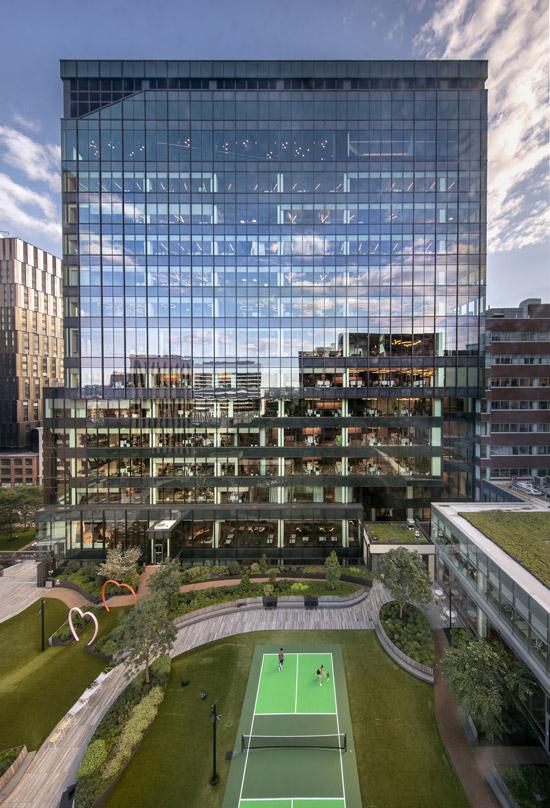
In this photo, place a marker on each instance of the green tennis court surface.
(294, 747)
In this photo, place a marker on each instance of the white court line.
(251, 727)
(338, 731)
(332, 713)
(296, 685)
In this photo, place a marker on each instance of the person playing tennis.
(321, 674)
(281, 659)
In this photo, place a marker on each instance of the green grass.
(528, 784)
(401, 759)
(393, 533)
(17, 538)
(524, 536)
(37, 689)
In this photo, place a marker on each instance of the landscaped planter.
(269, 603)
(91, 784)
(11, 770)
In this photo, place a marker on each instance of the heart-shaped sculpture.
(83, 614)
(119, 584)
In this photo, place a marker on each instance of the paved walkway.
(53, 768)
(18, 589)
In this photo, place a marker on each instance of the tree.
(31, 497)
(166, 581)
(483, 679)
(332, 570)
(145, 633)
(19, 503)
(9, 514)
(403, 573)
(120, 564)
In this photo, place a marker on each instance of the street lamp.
(215, 717)
(42, 613)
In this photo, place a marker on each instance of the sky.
(512, 34)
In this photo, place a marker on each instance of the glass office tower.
(274, 279)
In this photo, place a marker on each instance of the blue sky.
(512, 34)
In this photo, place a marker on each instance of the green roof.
(393, 533)
(525, 536)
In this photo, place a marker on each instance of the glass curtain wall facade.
(274, 274)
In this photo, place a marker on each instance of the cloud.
(395, 31)
(29, 188)
(26, 123)
(37, 161)
(24, 212)
(513, 36)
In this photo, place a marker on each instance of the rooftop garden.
(394, 533)
(525, 536)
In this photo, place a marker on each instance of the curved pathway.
(54, 765)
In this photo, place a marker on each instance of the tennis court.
(294, 746)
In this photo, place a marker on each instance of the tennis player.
(321, 674)
(281, 659)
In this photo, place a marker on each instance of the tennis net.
(333, 741)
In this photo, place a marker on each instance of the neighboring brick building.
(515, 435)
(31, 337)
(20, 468)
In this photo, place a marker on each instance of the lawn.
(524, 536)
(393, 533)
(17, 538)
(401, 759)
(37, 689)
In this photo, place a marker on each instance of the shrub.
(234, 568)
(268, 591)
(332, 570)
(299, 588)
(7, 758)
(71, 566)
(264, 566)
(358, 572)
(272, 575)
(411, 633)
(255, 569)
(94, 757)
(197, 573)
(141, 717)
(245, 580)
(89, 570)
(119, 733)
(219, 570)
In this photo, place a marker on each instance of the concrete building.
(275, 276)
(496, 558)
(515, 419)
(31, 338)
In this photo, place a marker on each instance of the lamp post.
(215, 717)
(42, 610)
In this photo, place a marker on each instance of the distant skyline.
(512, 34)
